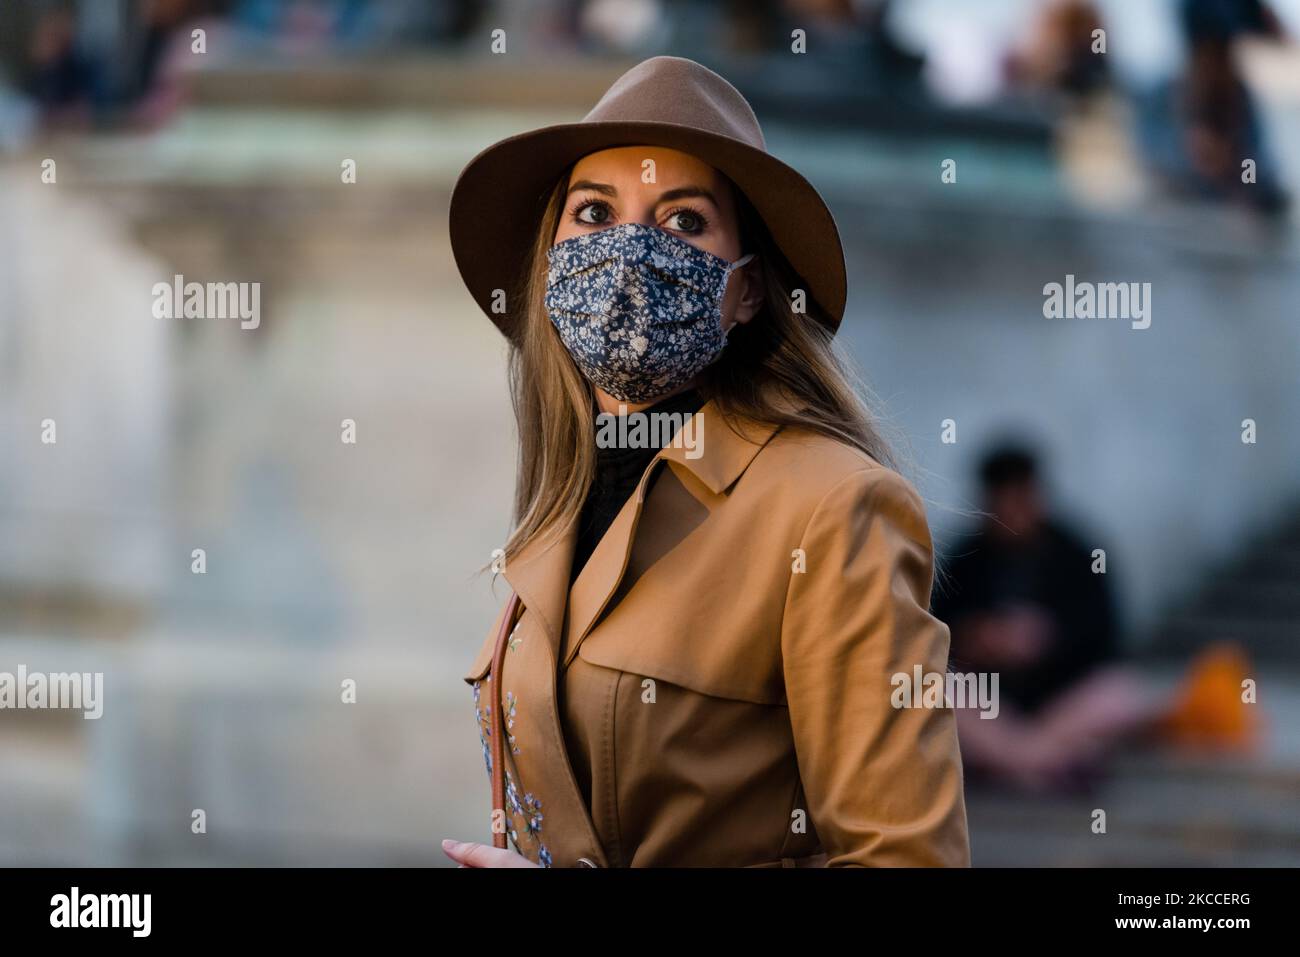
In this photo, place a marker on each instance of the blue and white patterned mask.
(639, 309)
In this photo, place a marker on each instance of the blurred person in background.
(67, 83)
(1059, 55)
(1025, 599)
(1022, 601)
(1200, 127)
(152, 88)
(128, 74)
(1222, 122)
(297, 27)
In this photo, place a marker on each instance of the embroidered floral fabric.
(525, 809)
(639, 309)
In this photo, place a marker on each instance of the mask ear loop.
(732, 267)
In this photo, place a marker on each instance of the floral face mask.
(639, 309)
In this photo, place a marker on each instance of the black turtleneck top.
(617, 472)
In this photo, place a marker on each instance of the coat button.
(587, 862)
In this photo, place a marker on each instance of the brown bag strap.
(498, 719)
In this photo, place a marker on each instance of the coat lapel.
(724, 456)
(540, 573)
(540, 576)
(604, 569)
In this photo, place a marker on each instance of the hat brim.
(499, 199)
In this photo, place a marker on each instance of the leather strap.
(498, 727)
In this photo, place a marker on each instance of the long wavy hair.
(782, 367)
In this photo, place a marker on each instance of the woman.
(708, 630)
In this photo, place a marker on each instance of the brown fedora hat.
(499, 198)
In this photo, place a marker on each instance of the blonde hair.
(782, 368)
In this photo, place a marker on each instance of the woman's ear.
(751, 292)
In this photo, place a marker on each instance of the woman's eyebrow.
(594, 187)
(684, 192)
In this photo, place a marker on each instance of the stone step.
(394, 81)
(1251, 598)
(1272, 638)
(1159, 812)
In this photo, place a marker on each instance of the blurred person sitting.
(1199, 127)
(1223, 125)
(1058, 54)
(1022, 601)
(64, 80)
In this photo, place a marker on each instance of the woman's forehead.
(629, 161)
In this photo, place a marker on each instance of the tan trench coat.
(700, 699)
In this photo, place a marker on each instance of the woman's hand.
(473, 854)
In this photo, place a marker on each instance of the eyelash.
(583, 204)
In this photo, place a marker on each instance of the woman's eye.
(686, 221)
(593, 214)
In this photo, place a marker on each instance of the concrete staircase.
(1161, 811)
(1168, 809)
(1252, 599)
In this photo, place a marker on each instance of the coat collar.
(540, 572)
